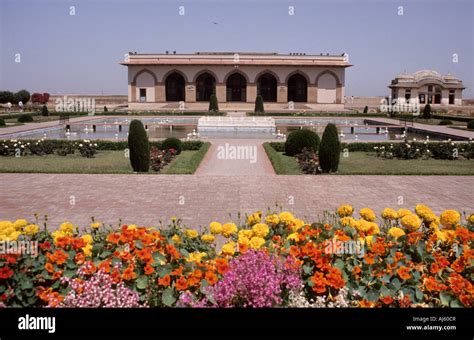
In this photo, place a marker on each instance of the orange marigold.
(404, 273)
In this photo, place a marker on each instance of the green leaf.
(142, 282)
(138, 244)
(339, 264)
(164, 270)
(307, 269)
(168, 298)
(396, 283)
(27, 284)
(158, 257)
(419, 294)
(445, 298)
(455, 303)
(184, 252)
(204, 285)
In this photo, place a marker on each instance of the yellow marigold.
(19, 224)
(244, 242)
(272, 219)
(470, 219)
(132, 227)
(215, 228)
(293, 236)
(345, 210)
(87, 238)
(208, 238)
(229, 229)
(369, 241)
(228, 248)
(191, 233)
(411, 222)
(296, 224)
(248, 233)
(403, 212)
(87, 249)
(256, 242)
(395, 232)
(195, 256)
(31, 229)
(286, 217)
(176, 239)
(389, 214)
(56, 234)
(449, 218)
(96, 225)
(367, 214)
(67, 228)
(260, 229)
(5, 225)
(256, 217)
(424, 212)
(370, 228)
(348, 221)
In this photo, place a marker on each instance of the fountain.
(258, 124)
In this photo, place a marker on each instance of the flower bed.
(400, 259)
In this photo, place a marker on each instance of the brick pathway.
(199, 199)
(250, 158)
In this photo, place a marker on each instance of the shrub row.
(112, 145)
(317, 114)
(164, 113)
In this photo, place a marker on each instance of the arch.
(199, 73)
(267, 87)
(297, 88)
(268, 71)
(145, 70)
(236, 87)
(243, 74)
(291, 74)
(175, 87)
(205, 87)
(167, 74)
(338, 81)
(327, 88)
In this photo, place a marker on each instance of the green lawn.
(363, 163)
(105, 162)
(282, 164)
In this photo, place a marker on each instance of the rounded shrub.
(366, 109)
(172, 143)
(106, 109)
(259, 104)
(26, 118)
(300, 139)
(445, 122)
(138, 146)
(329, 150)
(213, 104)
(2, 122)
(470, 125)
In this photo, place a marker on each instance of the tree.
(300, 139)
(138, 146)
(44, 111)
(329, 149)
(259, 104)
(22, 96)
(6, 97)
(213, 104)
(366, 109)
(37, 98)
(427, 111)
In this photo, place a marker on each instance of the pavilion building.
(427, 87)
(296, 80)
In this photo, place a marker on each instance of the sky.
(62, 53)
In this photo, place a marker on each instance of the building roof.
(424, 77)
(237, 58)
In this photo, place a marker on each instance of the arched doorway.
(327, 85)
(236, 86)
(174, 87)
(205, 87)
(297, 88)
(267, 87)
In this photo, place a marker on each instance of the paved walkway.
(230, 157)
(432, 128)
(199, 199)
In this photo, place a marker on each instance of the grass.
(282, 164)
(186, 162)
(366, 163)
(105, 162)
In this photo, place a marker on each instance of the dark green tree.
(259, 104)
(23, 96)
(427, 111)
(138, 146)
(213, 104)
(299, 139)
(330, 149)
(44, 111)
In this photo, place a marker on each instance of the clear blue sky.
(80, 54)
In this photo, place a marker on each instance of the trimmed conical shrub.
(259, 104)
(213, 104)
(44, 111)
(427, 111)
(138, 146)
(329, 150)
(300, 139)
